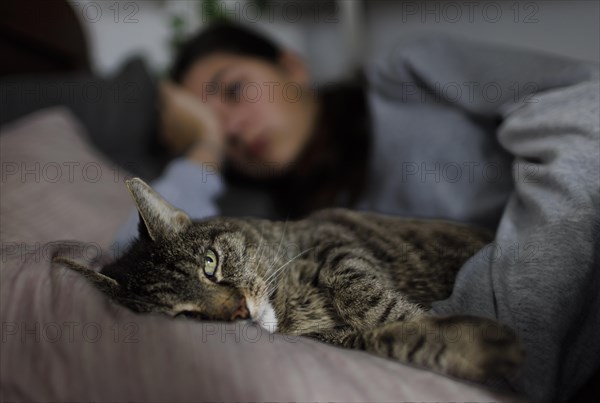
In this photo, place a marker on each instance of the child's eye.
(210, 264)
(233, 91)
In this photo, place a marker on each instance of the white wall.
(570, 28)
(118, 29)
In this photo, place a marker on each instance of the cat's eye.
(191, 315)
(210, 264)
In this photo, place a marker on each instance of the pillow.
(55, 186)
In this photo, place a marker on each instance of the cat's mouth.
(263, 314)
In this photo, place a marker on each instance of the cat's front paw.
(475, 348)
(463, 346)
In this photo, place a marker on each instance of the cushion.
(55, 185)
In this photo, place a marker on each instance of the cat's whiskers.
(269, 279)
(262, 238)
(275, 261)
(275, 276)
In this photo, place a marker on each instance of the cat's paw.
(463, 346)
(474, 348)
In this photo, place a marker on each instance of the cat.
(357, 280)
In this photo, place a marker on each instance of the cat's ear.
(158, 218)
(104, 283)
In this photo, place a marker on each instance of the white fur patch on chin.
(264, 315)
(268, 320)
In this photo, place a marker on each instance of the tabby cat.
(356, 280)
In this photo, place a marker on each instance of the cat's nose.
(242, 311)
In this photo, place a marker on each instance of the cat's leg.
(463, 346)
(360, 292)
(382, 321)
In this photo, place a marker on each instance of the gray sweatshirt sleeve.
(187, 185)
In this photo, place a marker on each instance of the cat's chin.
(263, 314)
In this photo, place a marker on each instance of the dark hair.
(223, 37)
(333, 168)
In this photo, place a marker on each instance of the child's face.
(267, 111)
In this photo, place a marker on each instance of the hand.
(189, 126)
